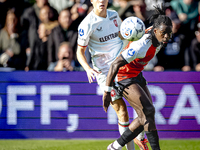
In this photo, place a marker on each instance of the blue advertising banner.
(65, 105)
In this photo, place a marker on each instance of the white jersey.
(101, 36)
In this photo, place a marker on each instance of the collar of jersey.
(100, 18)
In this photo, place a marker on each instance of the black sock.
(128, 135)
(153, 139)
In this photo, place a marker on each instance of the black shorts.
(125, 83)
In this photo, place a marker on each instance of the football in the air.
(132, 28)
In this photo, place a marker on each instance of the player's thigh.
(119, 104)
(138, 99)
(145, 88)
(121, 109)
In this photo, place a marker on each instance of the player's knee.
(121, 110)
(140, 116)
(142, 119)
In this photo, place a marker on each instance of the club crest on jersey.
(113, 93)
(115, 22)
(81, 32)
(131, 52)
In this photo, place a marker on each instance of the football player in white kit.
(100, 32)
(127, 72)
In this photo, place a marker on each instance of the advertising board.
(64, 105)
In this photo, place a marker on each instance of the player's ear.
(154, 30)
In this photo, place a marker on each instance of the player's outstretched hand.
(91, 73)
(106, 100)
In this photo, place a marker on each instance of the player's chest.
(105, 31)
(148, 56)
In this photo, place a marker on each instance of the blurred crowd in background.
(42, 34)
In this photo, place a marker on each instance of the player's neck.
(154, 40)
(102, 14)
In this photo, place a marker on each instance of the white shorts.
(101, 80)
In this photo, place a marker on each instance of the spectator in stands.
(65, 31)
(118, 4)
(89, 4)
(45, 17)
(37, 43)
(195, 50)
(5, 5)
(127, 8)
(65, 59)
(38, 56)
(30, 17)
(139, 8)
(123, 7)
(115, 5)
(79, 10)
(187, 11)
(12, 51)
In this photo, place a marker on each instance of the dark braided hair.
(159, 18)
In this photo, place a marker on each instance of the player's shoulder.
(88, 22)
(112, 14)
(87, 19)
(141, 42)
(146, 38)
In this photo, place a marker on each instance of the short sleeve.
(84, 32)
(129, 54)
(136, 49)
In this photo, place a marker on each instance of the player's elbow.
(119, 62)
(80, 52)
(114, 67)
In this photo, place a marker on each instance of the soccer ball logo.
(132, 28)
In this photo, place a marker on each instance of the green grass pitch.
(88, 144)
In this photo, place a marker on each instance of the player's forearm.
(114, 70)
(111, 75)
(82, 58)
